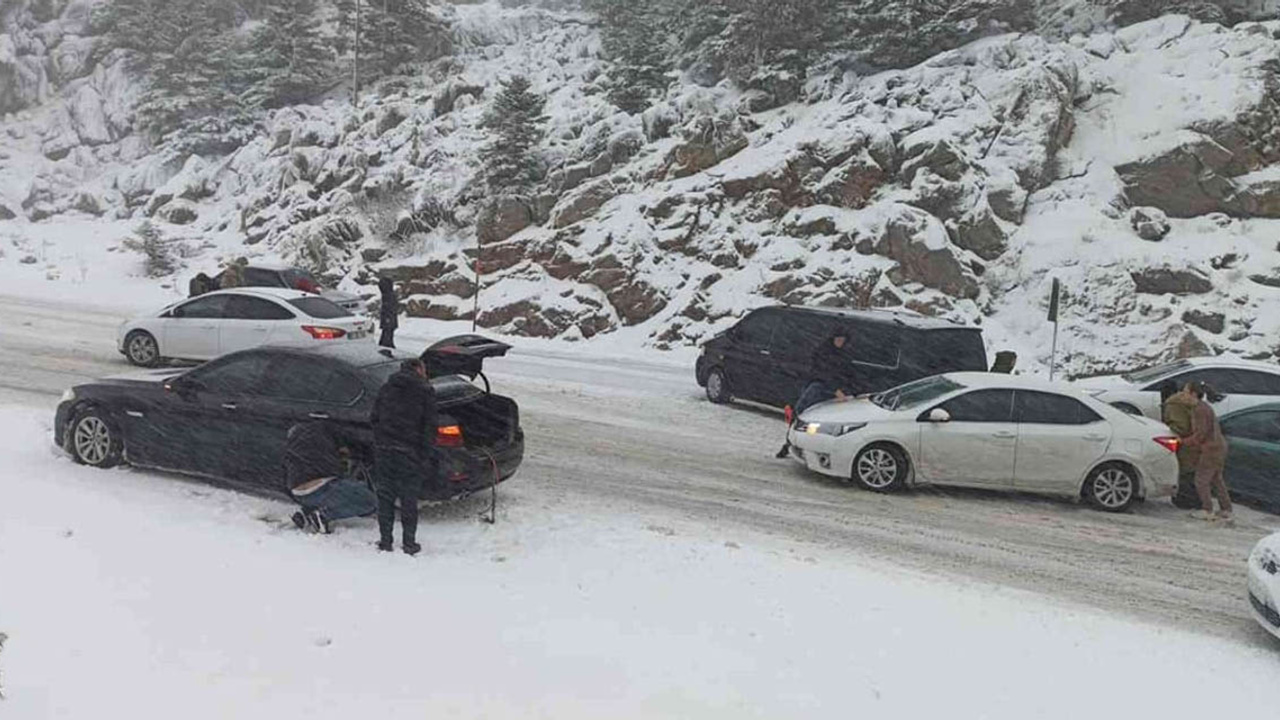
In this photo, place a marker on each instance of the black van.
(766, 357)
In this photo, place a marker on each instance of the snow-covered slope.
(1137, 165)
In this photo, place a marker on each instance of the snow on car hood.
(148, 375)
(846, 411)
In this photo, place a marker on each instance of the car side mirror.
(938, 415)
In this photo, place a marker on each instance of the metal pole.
(1053, 360)
(475, 310)
(355, 67)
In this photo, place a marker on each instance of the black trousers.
(388, 339)
(398, 475)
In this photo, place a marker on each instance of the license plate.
(356, 334)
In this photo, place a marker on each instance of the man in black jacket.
(313, 471)
(404, 427)
(828, 378)
(389, 315)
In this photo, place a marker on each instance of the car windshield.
(318, 307)
(905, 397)
(1142, 377)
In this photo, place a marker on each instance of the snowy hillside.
(1139, 165)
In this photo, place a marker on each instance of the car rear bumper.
(464, 471)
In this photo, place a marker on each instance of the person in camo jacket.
(1207, 439)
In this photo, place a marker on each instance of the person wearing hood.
(1211, 447)
(404, 427)
(389, 315)
(1177, 407)
(828, 379)
(316, 480)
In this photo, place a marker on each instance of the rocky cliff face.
(1141, 166)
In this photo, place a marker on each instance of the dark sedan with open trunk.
(227, 419)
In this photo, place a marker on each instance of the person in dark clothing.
(389, 316)
(314, 473)
(828, 379)
(199, 285)
(404, 426)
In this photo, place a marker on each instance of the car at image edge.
(766, 356)
(992, 431)
(1264, 583)
(1243, 383)
(228, 419)
(226, 321)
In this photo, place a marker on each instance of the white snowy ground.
(131, 594)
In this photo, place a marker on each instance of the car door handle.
(318, 416)
(133, 413)
(765, 352)
(229, 406)
(1004, 435)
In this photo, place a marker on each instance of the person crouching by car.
(314, 473)
(828, 379)
(404, 426)
(1207, 439)
(389, 315)
(1176, 408)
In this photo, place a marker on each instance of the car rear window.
(934, 352)
(913, 394)
(318, 307)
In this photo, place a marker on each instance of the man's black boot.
(386, 545)
(410, 547)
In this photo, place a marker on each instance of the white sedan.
(217, 323)
(1242, 383)
(994, 431)
(1264, 583)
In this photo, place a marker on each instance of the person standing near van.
(828, 378)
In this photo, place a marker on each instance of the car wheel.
(93, 440)
(1112, 487)
(718, 387)
(141, 349)
(880, 468)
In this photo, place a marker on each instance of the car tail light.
(1169, 443)
(458, 477)
(324, 333)
(449, 436)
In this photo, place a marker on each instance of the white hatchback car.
(994, 431)
(1242, 383)
(1264, 583)
(220, 322)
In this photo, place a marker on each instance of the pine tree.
(633, 40)
(511, 159)
(289, 56)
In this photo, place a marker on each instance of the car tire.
(881, 468)
(93, 440)
(141, 349)
(718, 387)
(1112, 487)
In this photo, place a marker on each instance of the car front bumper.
(817, 452)
(1264, 597)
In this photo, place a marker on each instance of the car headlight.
(1268, 560)
(68, 395)
(833, 429)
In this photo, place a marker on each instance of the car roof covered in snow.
(978, 380)
(875, 315)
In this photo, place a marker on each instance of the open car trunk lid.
(462, 355)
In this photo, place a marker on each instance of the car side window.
(757, 329)
(257, 277)
(981, 406)
(1263, 426)
(209, 306)
(310, 380)
(235, 375)
(875, 344)
(1227, 382)
(800, 334)
(1253, 382)
(1042, 408)
(244, 307)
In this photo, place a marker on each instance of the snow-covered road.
(634, 435)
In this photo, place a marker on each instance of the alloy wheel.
(877, 468)
(1113, 488)
(715, 385)
(142, 349)
(92, 440)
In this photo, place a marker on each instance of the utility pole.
(1053, 318)
(355, 66)
(475, 310)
